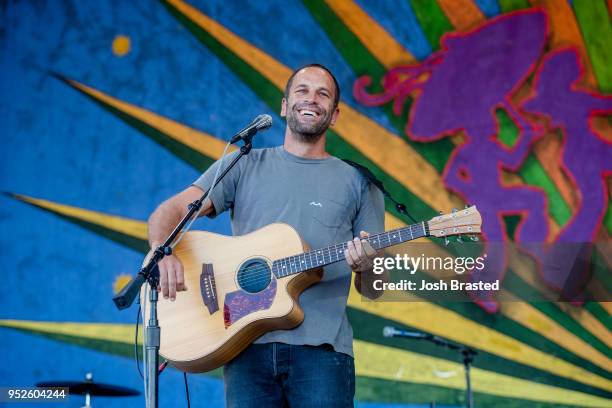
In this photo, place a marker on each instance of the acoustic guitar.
(242, 287)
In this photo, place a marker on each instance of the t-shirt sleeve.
(224, 193)
(371, 212)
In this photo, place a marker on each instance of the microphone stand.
(468, 357)
(150, 273)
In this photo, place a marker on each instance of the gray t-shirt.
(327, 202)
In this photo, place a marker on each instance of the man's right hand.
(161, 222)
(171, 277)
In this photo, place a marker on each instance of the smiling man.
(327, 202)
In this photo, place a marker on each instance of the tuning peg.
(459, 239)
(474, 238)
(446, 241)
(466, 207)
(455, 210)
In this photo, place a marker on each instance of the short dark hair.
(324, 68)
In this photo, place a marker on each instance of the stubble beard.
(308, 132)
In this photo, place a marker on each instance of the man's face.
(309, 106)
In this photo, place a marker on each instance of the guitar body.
(232, 296)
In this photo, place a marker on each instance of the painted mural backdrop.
(110, 107)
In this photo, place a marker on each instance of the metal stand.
(150, 273)
(468, 357)
(152, 351)
(89, 379)
(467, 352)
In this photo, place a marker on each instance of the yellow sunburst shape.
(121, 45)
(120, 282)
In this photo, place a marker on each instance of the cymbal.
(91, 388)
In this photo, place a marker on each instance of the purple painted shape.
(478, 71)
(474, 74)
(240, 303)
(586, 157)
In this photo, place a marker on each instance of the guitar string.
(262, 279)
(329, 251)
(256, 276)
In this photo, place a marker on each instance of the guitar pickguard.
(240, 303)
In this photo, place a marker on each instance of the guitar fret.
(334, 253)
(340, 252)
(375, 242)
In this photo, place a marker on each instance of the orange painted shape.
(602, 127)
(549, 154)
(371, 34)
(463, 14)
(564, 32)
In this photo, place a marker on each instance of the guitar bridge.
(208, 288)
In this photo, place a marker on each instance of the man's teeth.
(308, 112)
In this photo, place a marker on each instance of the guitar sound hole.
(254, 275)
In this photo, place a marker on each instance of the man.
(327, 202)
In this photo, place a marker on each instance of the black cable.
(365, 172)
(136, 345)
(186, 390)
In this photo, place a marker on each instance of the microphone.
(261, 122)
(389, 331)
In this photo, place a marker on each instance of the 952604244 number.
(25, 394)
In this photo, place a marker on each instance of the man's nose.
(309, 97)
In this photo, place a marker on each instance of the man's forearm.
(162, 222)
(170, 212)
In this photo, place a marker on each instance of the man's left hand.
(359, 254)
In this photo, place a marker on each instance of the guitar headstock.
(466, 221)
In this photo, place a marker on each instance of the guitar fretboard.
(335, 253)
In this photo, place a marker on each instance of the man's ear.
(335, 115)
(283, 111)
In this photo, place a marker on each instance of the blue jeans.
(283, 375)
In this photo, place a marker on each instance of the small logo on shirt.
(316, 204)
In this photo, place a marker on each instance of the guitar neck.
(335, 253)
